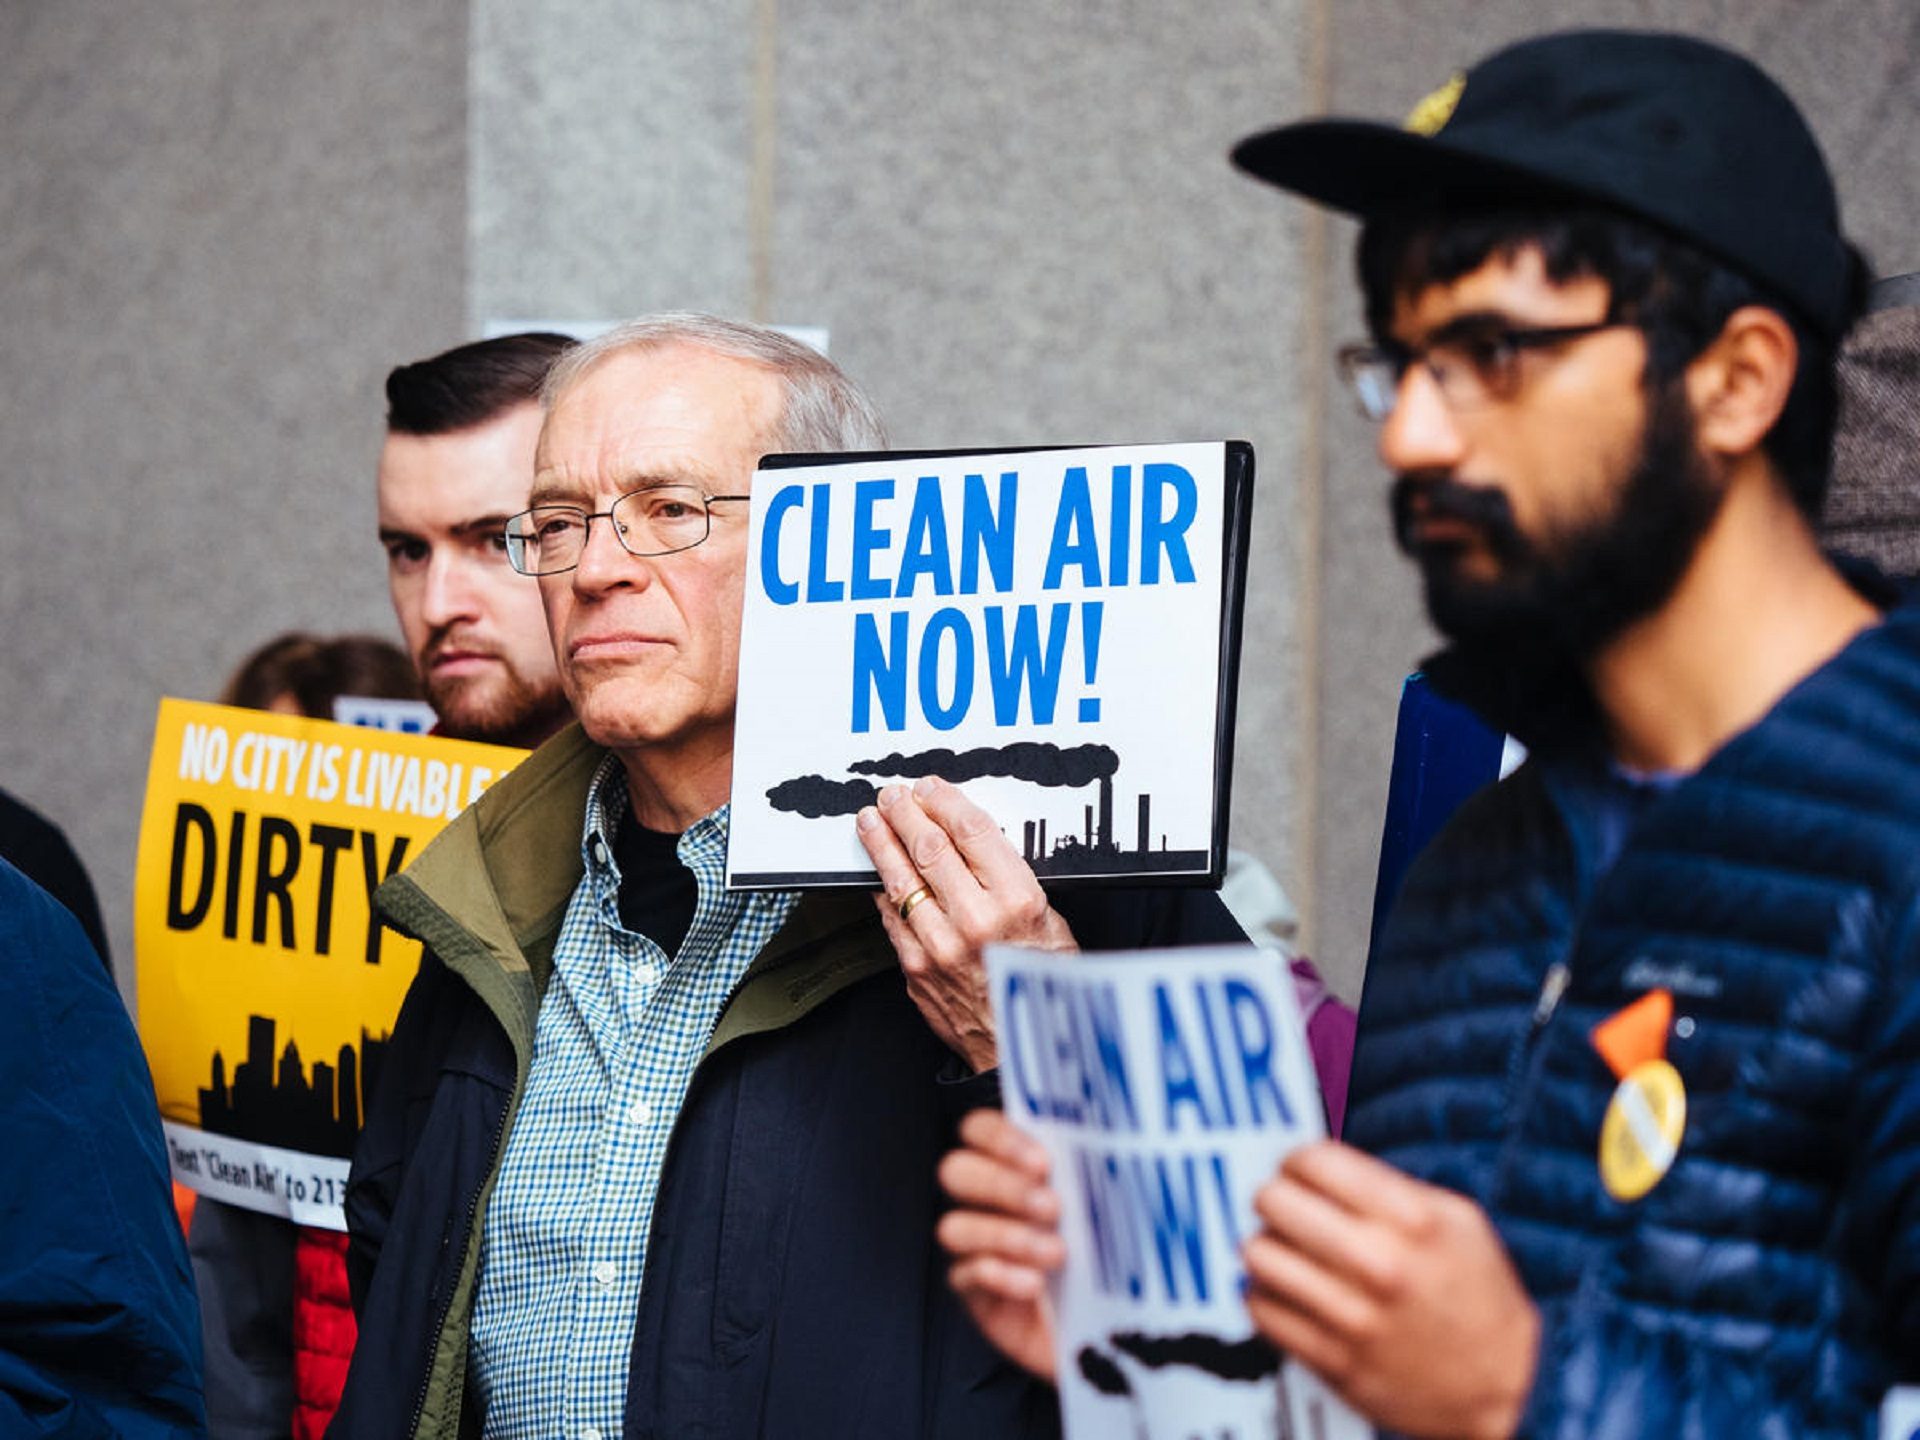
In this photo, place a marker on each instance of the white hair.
(824, 411)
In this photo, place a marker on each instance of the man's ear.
(1739, 384)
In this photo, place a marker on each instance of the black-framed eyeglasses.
(653, 520)
(1476, 364)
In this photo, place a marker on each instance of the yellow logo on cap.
(1432, 113)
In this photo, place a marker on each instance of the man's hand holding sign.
(1396, 1292)
(951, 884)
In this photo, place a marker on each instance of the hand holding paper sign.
(951, 884)
(1397, 1292)
(1004, 1237)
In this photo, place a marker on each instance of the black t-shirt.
(657, 892)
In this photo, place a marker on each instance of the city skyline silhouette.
(275, 1102)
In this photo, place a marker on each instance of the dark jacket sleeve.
(99, 1332)
(381, 1149)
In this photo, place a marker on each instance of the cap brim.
(1366, 169)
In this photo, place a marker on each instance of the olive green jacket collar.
(488, 895)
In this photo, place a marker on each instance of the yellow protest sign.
(267, 989)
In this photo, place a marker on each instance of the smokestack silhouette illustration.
(1105, 836)
(1146, 833)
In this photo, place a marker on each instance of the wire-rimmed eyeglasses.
(653, 520)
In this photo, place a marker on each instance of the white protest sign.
(1165, 1086)
(1044, 628)
(1900, 1413)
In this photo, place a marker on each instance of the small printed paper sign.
(1056, 631)
(408, 717)
(1165, 1086)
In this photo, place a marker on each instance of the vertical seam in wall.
(1311, 528)
(766, 119)
(470, 248)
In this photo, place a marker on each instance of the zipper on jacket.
(1553, 986)
(1559, 975)
(440, 1321)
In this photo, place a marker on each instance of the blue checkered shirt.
(621, 1027)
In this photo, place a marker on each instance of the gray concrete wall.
(226, 221)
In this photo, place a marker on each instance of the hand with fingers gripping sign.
(1004, 1238)
(1397, 1293)
(951, 884)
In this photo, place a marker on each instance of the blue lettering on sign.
(1119, 1263)
(1024, 667)
(879, 671)
(819, 587)
(1020, 666)
(780, 591)
(1073, 540)
(867, 538)
(1120, 535)
(1018, 1019)
(1065, 1052)
(1152, 1204)
(1198, 1073)
(945, 714)
(1163, 534)
(1179, 1082)
(925, 549)
(986, 533)
(1253, 1037)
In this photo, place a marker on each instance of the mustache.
(1421, 495)
(459, 640)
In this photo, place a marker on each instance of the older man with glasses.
(652, 1157)
(1639, 1055)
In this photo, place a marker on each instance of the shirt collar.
(607, 805)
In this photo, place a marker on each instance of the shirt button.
(645, 973)
(598, 847)
(592, 1432)
(640, 1112)
(605, 1273)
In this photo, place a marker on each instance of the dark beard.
(1563, 598)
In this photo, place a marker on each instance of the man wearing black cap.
(1639, 1057)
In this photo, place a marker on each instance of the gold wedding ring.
(912, 898)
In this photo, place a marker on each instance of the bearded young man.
(1637, 1052)
(457, 461)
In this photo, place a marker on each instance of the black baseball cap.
(1676, 131)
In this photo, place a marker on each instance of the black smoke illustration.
(1249, 1359)
(1240, 1360)
(1032, 760)
(814, 795)
(1102, 1373)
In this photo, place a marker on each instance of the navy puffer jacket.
(1769, 1285)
